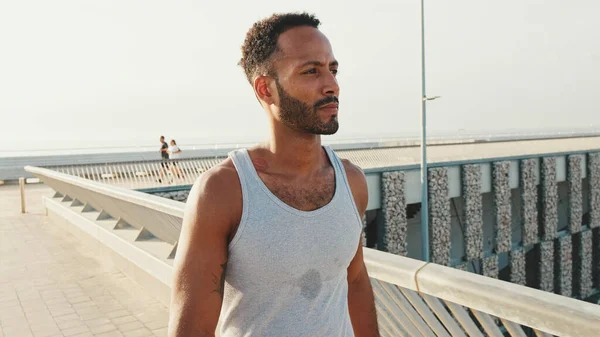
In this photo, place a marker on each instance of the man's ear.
(262, 90)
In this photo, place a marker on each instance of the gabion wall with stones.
(518, 273)
(582, 264)
(502, 206)
(593, 175)
(564, 266)
(439, 216)
(594, 188)
(393, 208)
(549, 198)
(546, 266)
(490, 266)
(575, 193)
(471, 185)
(175, 195)
(565, 262)
(529, 198)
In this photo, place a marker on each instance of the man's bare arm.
(361, 302)
(213, 207)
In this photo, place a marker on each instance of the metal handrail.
(537, 309)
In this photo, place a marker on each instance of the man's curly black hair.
(261, 41)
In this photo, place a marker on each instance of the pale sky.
(85, 73)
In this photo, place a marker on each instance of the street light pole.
(424, 192)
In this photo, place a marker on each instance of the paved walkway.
(51, 285)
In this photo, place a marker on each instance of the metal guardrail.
(142, 174)
(413, 298)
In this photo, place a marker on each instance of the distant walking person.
(164, 153)
(174, 153)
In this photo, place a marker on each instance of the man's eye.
(311, 71)
(334, 71)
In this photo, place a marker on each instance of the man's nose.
(330, 86)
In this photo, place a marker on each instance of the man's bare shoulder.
(220, 178)
(217, 191)
(354, 172)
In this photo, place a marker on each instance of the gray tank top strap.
(242, 163)
(340, 172)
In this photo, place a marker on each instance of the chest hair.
(306, 195)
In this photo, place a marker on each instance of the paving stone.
(97, 322)
(70, 324)
(62, 312)
(118, 313)
(6, 323)
(160, 332)
(103, 328)
(130, 326)
(17, 331)
(123, 319)
(139, 333)
(78, 299)
(157, 324)
(75, 330)
(114, 333)
(66, 318)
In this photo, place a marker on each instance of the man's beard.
(302, 117)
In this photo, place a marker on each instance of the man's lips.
(330, 106)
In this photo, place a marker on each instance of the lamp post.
(424, 191)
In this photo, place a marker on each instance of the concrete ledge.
(149, 272)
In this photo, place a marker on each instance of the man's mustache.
(326, 100)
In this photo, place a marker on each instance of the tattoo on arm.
(219, 281)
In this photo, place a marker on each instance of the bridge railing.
(413, 298)
(142, 174)
(146, 213)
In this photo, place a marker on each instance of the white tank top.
(286, 273)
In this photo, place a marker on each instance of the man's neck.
(295, 152)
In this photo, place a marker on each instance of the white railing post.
(22, 186)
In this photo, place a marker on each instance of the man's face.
(162, 140)
(303, 117)
(306, 82)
